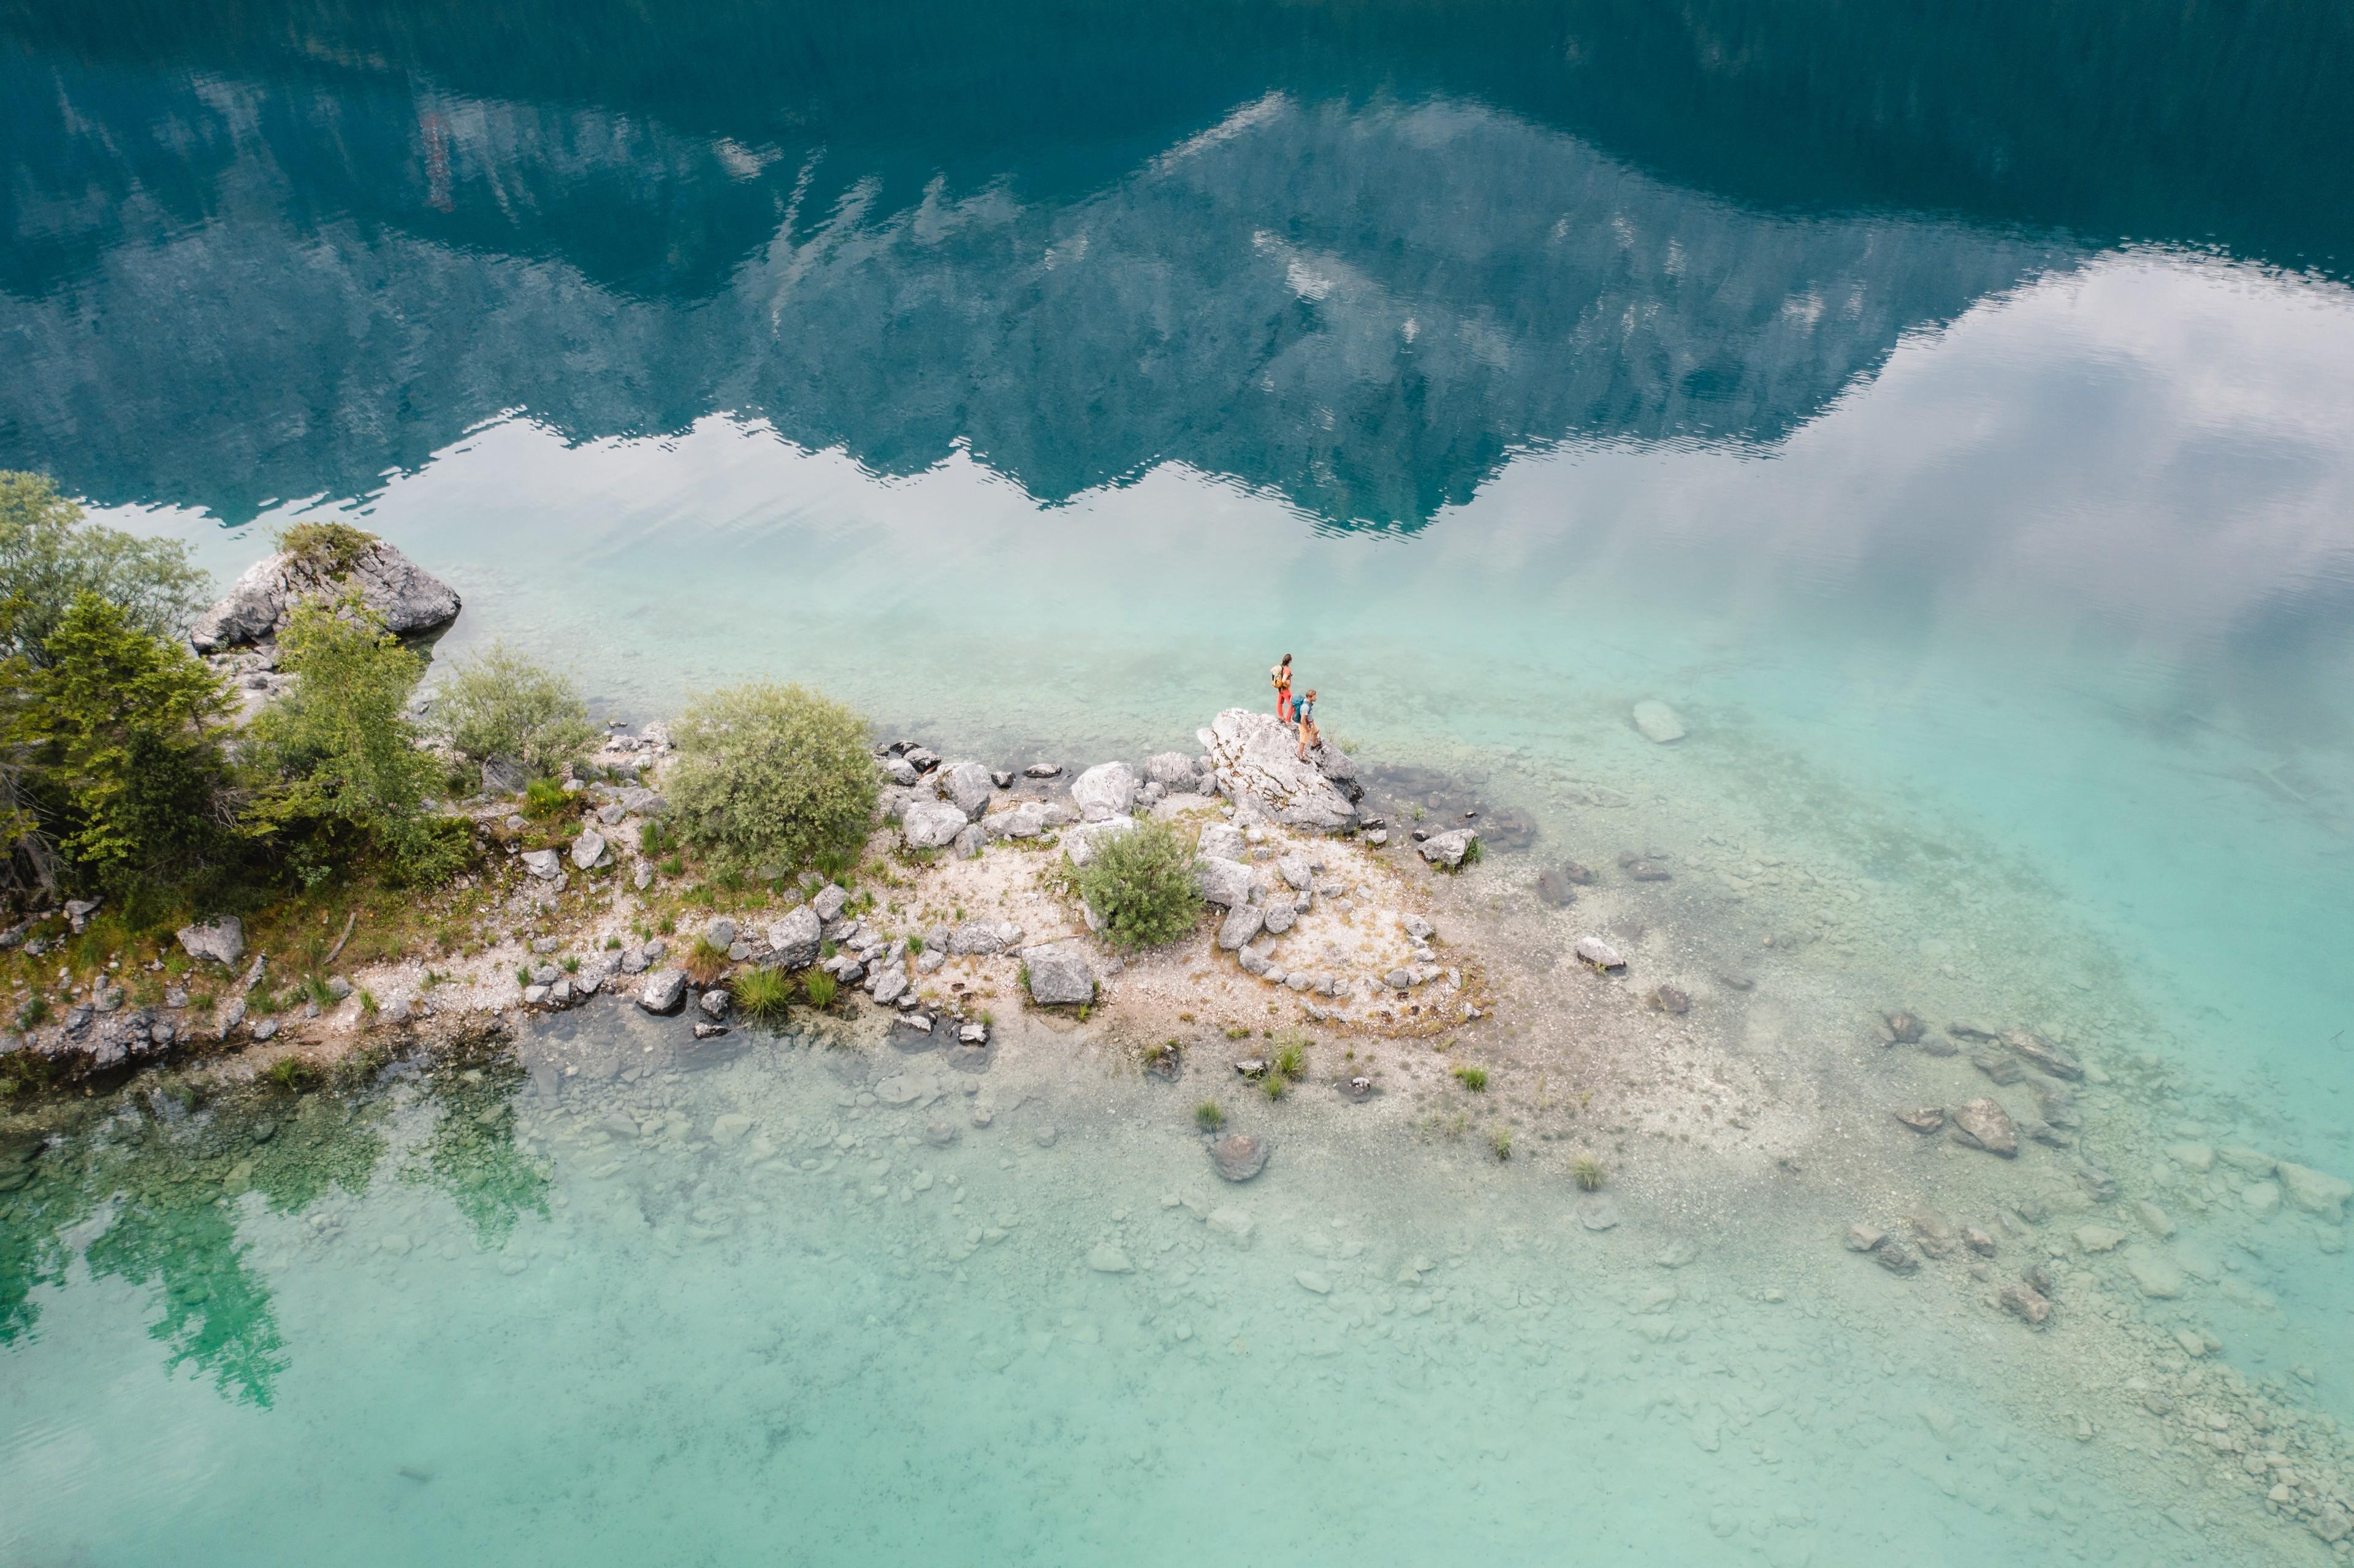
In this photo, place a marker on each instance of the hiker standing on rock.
(1306, 714)
(1281, 676)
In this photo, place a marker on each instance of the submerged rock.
(1667, 999)
(2025, 1302)
(2314, 1191)
(2043, 1053)
(1554, 890)
(260, 601)
(1238, 1156)
(1984, 1124)
(1658, 722)
(1902, 1028)
(1922, 1118)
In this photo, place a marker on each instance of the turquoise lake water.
(1953, 418)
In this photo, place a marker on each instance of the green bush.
(771, 775)
(338, 771)
(1140, 885)
(545, 800)
(497, 704)
(121, 733)
(50, 557)
(328, 550)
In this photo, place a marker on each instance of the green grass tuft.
(1209, 1115)
(1472, 1078)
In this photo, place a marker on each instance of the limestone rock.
(931, 824)
(1224, 841)
(2026, 1303)
(2197, 1157)
(221, 940)
(1083, 843)
(1658, 722)
(984, 938)
(967, 785)
(1922, 1118)
(260, 601)
(1060, 974)
(1244, 922)
(589, 850)
(2043, 1053)
(664, 991)
(1598, 954)
(1238, 1156)
(1983, 1124)
(1108, 790)
(1255, 762)
(1105, 1258)
(1448, 849)
(2314, 1191)
(795, 939)
(2099, 1238)
(544, 864)
(1026, 820)
(2157, 1275)
(1223, 882)
(1171, 769)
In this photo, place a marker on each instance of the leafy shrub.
(328, 550)
(771, 775)
(761, 994)
(50, 557)
(1142, 885)
(498, 703)
(339, 770)
(544, 800)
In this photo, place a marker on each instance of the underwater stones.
(1902, 1028)
(1357, 1090)
(713, 1004)
(1644, 868)
(1597, 1213)
(1598, 955)
(1896, 1256)
(939, 1134)
(1043, 771)
(1242, 923)
(2314, 1191)
(1984, 1124)
(1667, 999)
(1658, 722)
(589, 850)
(730, 1127)
(1238, 1157)
(1978, 1241)
(1225, 883)
(221, 940)
(1105, 790)
(1864, 1238)
(2057, 1100)
(1922, 1118)
(543, 865)
(2026, 1303)
(1555, 889)
(2002, 1069)
(931, 824)
(1313, 1282)
(1105, 1257)
(903, 1089)
(2261, 1199)
(1446, 850)
(2043, 1053)
(1060, 974)
(1233, 1223)
(2154, 1273)
(664, 992)
(2253, 1161)
(2197, 1157)
(2099, 1238)
(1676, 1254)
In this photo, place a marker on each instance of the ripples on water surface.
(1951, 418)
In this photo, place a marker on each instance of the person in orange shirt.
(1281, 676)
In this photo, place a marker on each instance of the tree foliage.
(1140, 885)
(338, 767)
(499, 703)
(126, 727)
(771, 775)
(50, 557)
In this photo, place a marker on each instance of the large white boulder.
(1255, 761)
(1107, 790)
(259, 603)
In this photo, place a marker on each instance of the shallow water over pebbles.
(712, 1308)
